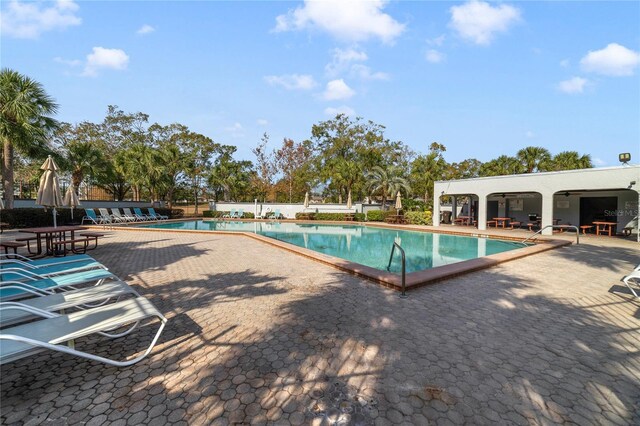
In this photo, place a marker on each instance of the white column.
(482, 212)
(547, 213)
(436, 211)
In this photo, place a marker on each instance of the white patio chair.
(53, 330)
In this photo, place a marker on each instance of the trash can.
(445, 217)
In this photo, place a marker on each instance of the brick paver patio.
(258, 335)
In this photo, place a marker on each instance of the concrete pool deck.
(261, 335)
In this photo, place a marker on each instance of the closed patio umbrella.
(49, 190)
(349, 202)
(306, 200)
(71, 199)
(398, 203)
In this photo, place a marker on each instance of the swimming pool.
(364, 245)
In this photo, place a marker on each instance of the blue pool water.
(370, 246)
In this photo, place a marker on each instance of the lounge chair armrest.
(29, 309)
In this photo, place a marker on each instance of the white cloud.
(103, 58)
(292, 81)
(236, 130)
(337, 89)
(479, 22)
(30, 20)
(434, 56)
(365, 73)
(262, 122)
(437, 41)
(145, 29)
(614, 60)
(339, 110)
(342, 59)
(70, 62)
(573, 85)
(345, 20)
(349, 61)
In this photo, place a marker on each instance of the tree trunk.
(290, 190)
(7, 173)
(195, 192)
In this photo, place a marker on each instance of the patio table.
(502, 221)
(49, 234)
(608, 227)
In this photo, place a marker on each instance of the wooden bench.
(11, 245)
(531, 225)
(492, 222)
(585, 228)
(4, 225)
(514, 224)
(56, 246)
(94, 236)
(28, 241)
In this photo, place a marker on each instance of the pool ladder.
(555, 226)
(393, 248)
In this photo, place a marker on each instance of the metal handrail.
(555, 226)
(395, 244)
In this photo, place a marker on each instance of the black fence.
(29, 191)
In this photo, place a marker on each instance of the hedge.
(359, 217)
(28, 217)
(220, 213)
(378, 215)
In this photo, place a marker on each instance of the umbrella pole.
(55, 223)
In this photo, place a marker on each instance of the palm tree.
(534, 158)
(387, 181)
(503, 165)
(82, 159)
(25, 122)
(570, 160)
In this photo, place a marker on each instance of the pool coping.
(412, 280)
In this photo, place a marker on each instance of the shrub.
(378, 215)
(419, 218)
(220, 213)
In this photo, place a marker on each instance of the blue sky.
(484, 79)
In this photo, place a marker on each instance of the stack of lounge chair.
(106, 219)
(47, 304)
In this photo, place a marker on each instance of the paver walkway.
(258, 335)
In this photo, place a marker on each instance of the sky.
(482, 78)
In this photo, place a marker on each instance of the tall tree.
(265, 168)
(570, 160)
(503, 165)
(290, 159)
(387, 181)
(534, 158)
(198, 150)
(426, 169)
(25, 122)
(80, 154)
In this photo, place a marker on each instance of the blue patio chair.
(92, 217)
(156, 216)
(231, 214)
(141, 215)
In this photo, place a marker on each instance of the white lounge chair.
(632, 281)
(115, 213)
(55, 302)
(135, 217)
(53, 330)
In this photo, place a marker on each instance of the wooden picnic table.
(50, 235)
(502, 221)
(608, 227)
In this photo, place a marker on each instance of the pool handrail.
(393, 247)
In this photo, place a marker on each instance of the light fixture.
(503, 195)
(566, 194)
(625, 157)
